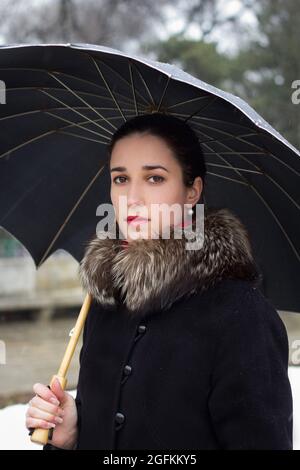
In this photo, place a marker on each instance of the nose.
(134, 195)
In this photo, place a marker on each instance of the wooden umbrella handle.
(40, 435)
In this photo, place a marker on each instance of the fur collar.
(151, 274)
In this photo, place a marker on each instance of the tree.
(196, 57)
(114, 23)
(265, 71)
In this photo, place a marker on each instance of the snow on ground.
(14, 435)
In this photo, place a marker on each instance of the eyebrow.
(145, 167)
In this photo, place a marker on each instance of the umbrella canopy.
(63, 104)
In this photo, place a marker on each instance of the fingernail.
(58, 420)
(51, 425)
(54, 401)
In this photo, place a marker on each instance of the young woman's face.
(144, 170)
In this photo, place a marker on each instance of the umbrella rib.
(83, 101)
(163, 93)
(81, 137)
(220, 121)
(199, 110)
(108, 88)
(40, 136)
(61, 89)
(227, 178)
(91, 121)
(261, 171)
(79, 124)
(27, 113)
(266, 205)
(75, 124)
(122, 79)
(251, 144)
(232, 151)
(145, 84)
(70, 214)
(211, 139)
(192, 100)
(65, 75)
(23, 144)
(235, 168)
(266, 175)
(132, 88)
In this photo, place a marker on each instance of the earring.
(190, 211)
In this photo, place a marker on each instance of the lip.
(136, 219)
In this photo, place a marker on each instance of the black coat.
(206, 371)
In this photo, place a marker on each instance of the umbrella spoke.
(102, 97)
(192, 100)
(214, 98)
(145, 84)
(241, 139)
(74, 124)
(265, 204)
(232, 151)
(163, 93)
(259, 170)
(132, 88)
(108, 88)
(81, 137)
(122, 79)
(267, 175)
(70, 213)
(213, 140)
(59, 108)
(215, 120)
(240, 169)
(68, 76)
(227, 178)
(83, 101)
(91, 121)
(41, 136)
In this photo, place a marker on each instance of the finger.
(44, 405)
(38, 423)
(58, 391)
(45, 393)
(40, 414)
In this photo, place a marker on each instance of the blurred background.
(246, 47)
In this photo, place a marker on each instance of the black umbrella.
(64, 102)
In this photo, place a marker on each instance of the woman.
(180, 350)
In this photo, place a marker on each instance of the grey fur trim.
(151, 274)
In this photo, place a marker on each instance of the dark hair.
(177, 134)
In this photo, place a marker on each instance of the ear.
(194, 192)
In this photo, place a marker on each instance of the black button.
(141, 329)
(120, 418)
(127, 370)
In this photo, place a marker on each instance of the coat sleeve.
(250, 402)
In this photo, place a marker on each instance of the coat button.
(127, 370)
(119, 418)
(141, 328)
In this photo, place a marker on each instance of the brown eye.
(115, 179)
(160, 179)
